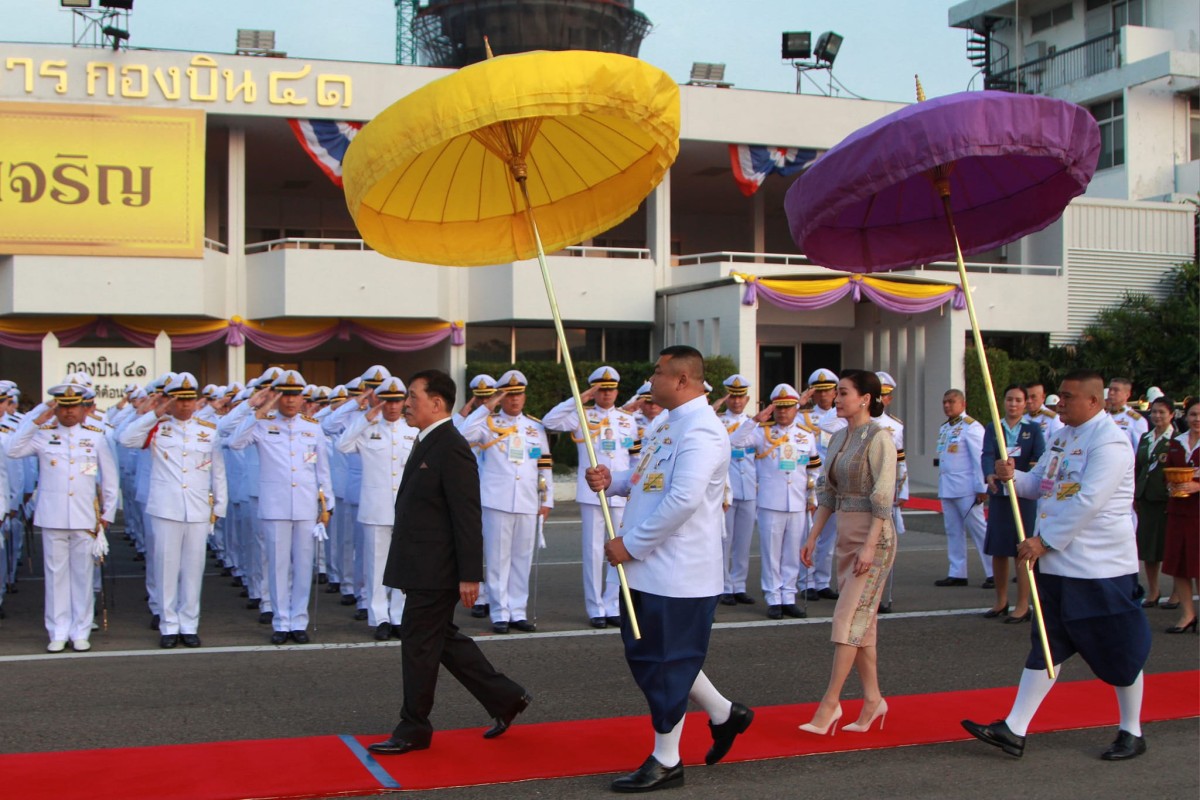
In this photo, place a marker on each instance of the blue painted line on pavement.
(368, 761)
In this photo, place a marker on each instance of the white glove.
(100, 545)
(319, 532)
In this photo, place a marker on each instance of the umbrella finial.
(487, 46)
(917, 78)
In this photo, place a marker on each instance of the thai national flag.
(753, 163)
(325, 141)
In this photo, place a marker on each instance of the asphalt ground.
(127, 692)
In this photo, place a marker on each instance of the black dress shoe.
(333, 588)
(727, 600)
(743, 598)
(265, 618)
(168, 641)
(348, 600)
(723, 735)
(279, 637)
(322, 577)
(828, 594)
(988, 583)
(992, 613)
(792, 610)
(237, 581)
(154, 622)
(300, 637)
(136, 557)
(812, 595)
(244, 593)
(948, 581)
(499, 627)
(501, 724)
(395, 747)
(524, 626)
(650, 777)
(481, 610)
(1010, 620)
(599, 622)
(774, 612)
(885, 608)
(1168, 605)
(254, 602)
(383, 631)
(190, 640)
(226, 572)
(360, 614)
(613, 622)
(998, 735)
(396, 630)
(1126, 745)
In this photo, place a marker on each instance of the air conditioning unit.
(1034, 51)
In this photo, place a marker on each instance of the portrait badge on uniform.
(310, 455)
(516, 449)
(608, 441)
(654, 482)
(90, 468)
(787, 458)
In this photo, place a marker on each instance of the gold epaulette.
(96, 416)
(967, 420)
(1045, 412)
(307, 418)
(48, 426)
(893, 416)
(899, 456)
(1132, 413)
(92, 428)
(812, 430)
(208, 424)
(532, 417)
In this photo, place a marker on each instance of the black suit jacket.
(437, 539)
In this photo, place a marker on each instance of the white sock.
(666, 745)
(1031, 692)
(1129, 700)
(705, 695)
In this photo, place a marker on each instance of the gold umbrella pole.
(583, 422)
(943, 187)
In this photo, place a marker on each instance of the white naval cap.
(374, 376)
(210, 390)
(8, 389)
(737, 385)
(182, 386)
(321, 395)
(160, 383)
(89, 394)
(269, 375)
(1052, 400)
(1153, 393)
(354, 387)
(79, 379)
(289, 382)
(784, 395)
(391, 388)
(886, 383)
(823, 379)
(604, 377)
(309, 392)
(130, 388)
(482, 385)
(338, 392)
(512, 382)
(68, 394)
(707, 387)
(233, 389)
(243, 394)
(646, 392)
(138, 394)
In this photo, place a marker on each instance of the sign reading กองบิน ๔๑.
(101, 181)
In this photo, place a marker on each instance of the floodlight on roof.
(705, 74)
(124, 5)
(797, 45)
(828, 44)
(75, 3)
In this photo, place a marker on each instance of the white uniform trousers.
(962, 515)
(16, 550)
(179, 571)
(897, 521)
(781, 534)
(739, 529)
(251, 528)
(362, 576)
(154, 601)
(222, 550)
(508, 543)
(289, 545)
(130, 512)
(70, 568)
(386, 604)
(344, 552)
(820, 576)
(600, 590)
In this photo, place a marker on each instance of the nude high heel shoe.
(830, 727)
(880, 714)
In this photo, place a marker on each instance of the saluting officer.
(787, 465)
(75, 463)
(379, 434)
(613, 433)
(482, 387)
(743, 485)
(961, 488)
(894, 425)
(293, 478)
(187, 494)
(514, 452)
(823, 420)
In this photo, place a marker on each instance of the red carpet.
(328, 766)
(923, 504)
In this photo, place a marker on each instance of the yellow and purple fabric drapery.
(901, 297)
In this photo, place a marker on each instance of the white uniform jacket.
(73, 463)
(743, 475)
(614, 434)
(959, 450)
(1084, 486)
(673, 523)
(513, 452)
(1047, 420)
(1132, 424)
(895, 426)
(384, 447)
(786, 461)
(187, 473)
(293, 465)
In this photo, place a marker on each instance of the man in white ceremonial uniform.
(237, 494)
(13, 469)
(895, 426)
(29, 467)
(1036, 411)
(117, 415)
(380, 435)
(822, 419)
(187, 494)
(743, 492)
(76, 502)
(293, 480)
(647, 414)
(1086, 567)
(341, 533)
(482, 386)
(515, 454)
(613, 433)
(670, 546)
(257, 567)
(1131, 423)
(787, 465)
(962, 488)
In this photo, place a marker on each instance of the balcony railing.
(1061, 68)
(308, 243)
(789, 260)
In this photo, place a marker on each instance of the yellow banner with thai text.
(101, 181)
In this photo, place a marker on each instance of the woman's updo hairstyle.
(867, 383)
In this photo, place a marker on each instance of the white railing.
(212, 244)
(785, 259)
(311, 243)
(588, 251)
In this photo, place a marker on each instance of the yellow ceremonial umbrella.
(506, 158)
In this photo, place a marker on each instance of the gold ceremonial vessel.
(1176, 476)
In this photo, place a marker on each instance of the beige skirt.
(854, 618)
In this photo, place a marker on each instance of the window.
(1194, 127)
(1111, 116)
(1124, 12)
(623, 344)
(586, 344)
(1048, 19)
(489, 344)
(536, 344)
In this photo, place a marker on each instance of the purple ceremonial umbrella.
(959, 174)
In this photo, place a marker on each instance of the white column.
(50, 364)
(236, 302)
(162, 353)
(658, 231)
(760, 225)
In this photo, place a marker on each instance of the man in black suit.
(436, 558)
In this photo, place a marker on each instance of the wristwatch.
(1044, 543)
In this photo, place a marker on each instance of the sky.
(885, 42)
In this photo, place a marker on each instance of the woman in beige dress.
(860, 486)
